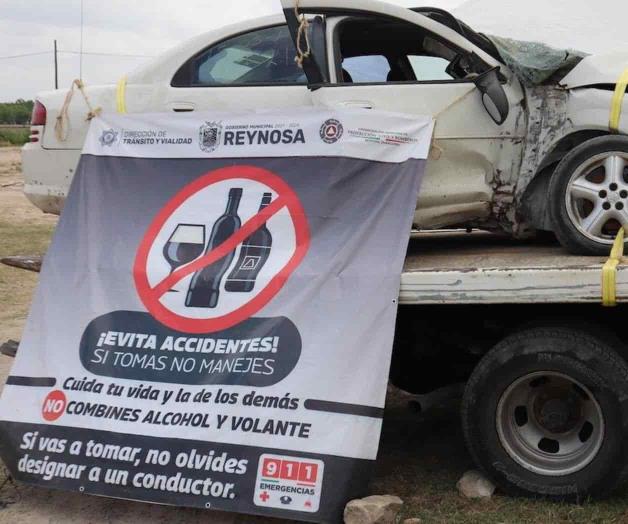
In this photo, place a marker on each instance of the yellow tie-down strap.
(609, 271)
(617, 101)
(121, 95)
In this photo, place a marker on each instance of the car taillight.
(38, 118)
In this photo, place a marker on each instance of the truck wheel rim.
(597, 196)
(550, 423)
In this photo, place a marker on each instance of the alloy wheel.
(597, 196)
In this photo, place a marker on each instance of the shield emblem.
(209, 136)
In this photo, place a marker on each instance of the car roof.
(166, 64)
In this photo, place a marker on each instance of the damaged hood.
(536, 63)
(597, 69)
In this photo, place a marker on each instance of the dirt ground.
(421, 457)
(22, 226)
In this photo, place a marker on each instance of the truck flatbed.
(483, 268)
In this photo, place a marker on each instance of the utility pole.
(56, 68)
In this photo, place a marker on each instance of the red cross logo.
(264, 496)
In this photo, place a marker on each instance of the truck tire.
(588, 195)
(545, 413)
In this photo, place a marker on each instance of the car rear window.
(260, 57)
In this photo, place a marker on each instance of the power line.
(93, 53)
(25, 54)
(105, 54)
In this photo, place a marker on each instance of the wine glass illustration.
(186, 244)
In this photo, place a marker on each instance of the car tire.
(545, 414)
(583, 193)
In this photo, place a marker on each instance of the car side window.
(371, 68)
(264, 56)
(381, 50)
(429, 67)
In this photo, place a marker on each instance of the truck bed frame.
(456, 267)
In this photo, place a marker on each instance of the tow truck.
(545, 406)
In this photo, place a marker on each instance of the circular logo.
(331, 131)
(54, 405)
(108, 137)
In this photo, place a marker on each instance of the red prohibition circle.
(54, 405)
(151, 300)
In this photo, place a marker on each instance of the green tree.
(18, 112)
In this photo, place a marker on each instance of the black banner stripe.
(40, 382)
(343, 408)
(350, 473)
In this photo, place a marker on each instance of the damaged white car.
(526, 138)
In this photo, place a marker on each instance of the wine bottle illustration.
(204, 289)
(253, 255)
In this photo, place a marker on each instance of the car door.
(390, 58)
(251, 70)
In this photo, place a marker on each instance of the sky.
(149, 27)
(587, 25)
(132, 27)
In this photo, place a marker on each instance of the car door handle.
(182, 107)
(362, 104)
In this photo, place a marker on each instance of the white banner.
(214, 319)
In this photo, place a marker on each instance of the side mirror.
(493, 95)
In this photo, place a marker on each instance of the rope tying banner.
(302, 34)
(609, 271)
(62, 128)
(618, 99)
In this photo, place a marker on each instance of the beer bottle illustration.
(253, 255)
(204, 289)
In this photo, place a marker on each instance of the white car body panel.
(459, 179)
(589, 108)
(47, 175)
(234, 98)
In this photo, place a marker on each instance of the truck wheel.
(545, 413)
(588, 195)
